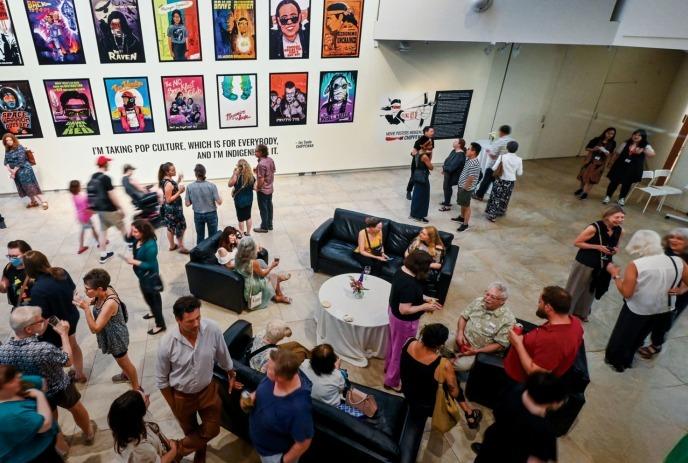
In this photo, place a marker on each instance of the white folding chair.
(658, 191)
(669, 190)
(647, 175)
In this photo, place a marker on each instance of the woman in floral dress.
(17, 164)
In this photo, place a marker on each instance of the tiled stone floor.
(632, 417)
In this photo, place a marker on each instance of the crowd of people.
(421, 358)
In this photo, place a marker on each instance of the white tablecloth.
(367, 335)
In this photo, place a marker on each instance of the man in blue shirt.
(281, 424)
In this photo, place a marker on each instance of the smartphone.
(53, 321)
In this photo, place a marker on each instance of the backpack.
(96, 194)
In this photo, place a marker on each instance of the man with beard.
(340, 20)
(130, 114)
(77, 109)
(551, 347)
(118, 40)
(291, 108)
(337, 105)
(290, 40)
(243, 42)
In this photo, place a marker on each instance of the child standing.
(83, 213)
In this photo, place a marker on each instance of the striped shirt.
(470, 169)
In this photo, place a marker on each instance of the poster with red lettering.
(184, 102)
(289, 29)
(237, 100)
(17, 110)
(71, 104)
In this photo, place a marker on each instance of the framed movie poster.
(234, 23)
(289, 29)
(17, 110)
(237, 100)
(118, 31)
(184, 98)
(337, 97)
(342, 24)
(288, 98)
(178, 34)
(55, 30)
(10, 55)
(71, 105)
(129, 104)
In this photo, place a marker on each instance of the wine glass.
(366, 270)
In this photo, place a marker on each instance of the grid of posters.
(289, 29)
(17, 110)
(129, 104)
(288, 98)
(234, 24)
(337, 97)
(342, 23)
(71, 105)
(118, 31)
(237, 100)
(184, 102)
(178, 35)
(55, 30)
(10, 55)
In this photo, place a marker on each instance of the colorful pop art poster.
(237, 100)
(129, 104)
(17, 110)
(234, 23)
(71, 105)
(10, 55)
(55, 30)
(178, 34)
(337, 97)
(118, 31)
(289, 29)
(288, 98)
(184, 103)
(342, 23)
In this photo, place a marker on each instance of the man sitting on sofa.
(482, 327)
(281, 424)
(551, 347)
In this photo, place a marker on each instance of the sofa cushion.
(447, 238)
(347, 224)
(341, 252)
(205, 250)
(390, 268)
(399, 237)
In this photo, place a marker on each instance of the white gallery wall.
(539, 81)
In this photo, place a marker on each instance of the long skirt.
(399, 332)
(499, 198)
(26, 182)
(578, 286)
(420, 201)
(628, 335)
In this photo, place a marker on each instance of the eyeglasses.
(284, 20)
(76, 112)
(340, 87)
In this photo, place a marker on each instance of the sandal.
(473, 419)
(283, 277)
(444, 209)
(647, 352)
(283, 299)
(82, 249)
(174, 248)
(32, 204)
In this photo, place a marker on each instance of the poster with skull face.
(288, 98)
(130, 104)
(17, 110)
(337, 97)
(71, 105)
(118, 30)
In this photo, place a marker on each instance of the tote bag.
(447, 412)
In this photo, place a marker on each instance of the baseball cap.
(103, 160)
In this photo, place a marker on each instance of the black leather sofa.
(338, 436)
(213, 282)
(487, 383)
(333, 244)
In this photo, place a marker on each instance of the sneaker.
(606, 200)
(120, 378)
(583, 196)
(106, 257)
(462, 228)
(578, 191)
(621, 202)
(408, 195)
(424, 220)
(457, 219)
(2, 224)
(444, 209)
(260, 230)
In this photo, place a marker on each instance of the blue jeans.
(201, 219)
(265, 208)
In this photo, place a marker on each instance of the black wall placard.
(450, 113)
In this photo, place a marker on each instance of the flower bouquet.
(357, 286)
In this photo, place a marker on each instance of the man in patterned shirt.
(483, 327)
(33, 357)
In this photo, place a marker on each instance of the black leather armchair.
(396, 438)
(333, 243)
(213, 282)
(487, 383)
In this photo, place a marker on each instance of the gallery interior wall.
(383, 73)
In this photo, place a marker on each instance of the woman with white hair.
(675, 244)
(649, 286)
(267, 340)
(258, 291)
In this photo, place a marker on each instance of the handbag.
(151, 282)
(30, 157)
(600, 278)
(253, 300)
(447, 413)
(361, 401)
(420, 176)
(499, 171)
(677, 281)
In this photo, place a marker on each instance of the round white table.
(367, 334)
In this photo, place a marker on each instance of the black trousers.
(154, 301)
(488, 178)
(265, 208)
(663, 325)
(628, 335)
(625, 188)
(374, 264)
(447, 188)
(409, 187)
(49, 455)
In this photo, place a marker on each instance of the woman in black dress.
(172, 210)
(628, 164)
(598, 150)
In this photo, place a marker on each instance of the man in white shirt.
(184, 375)
(498, 148)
